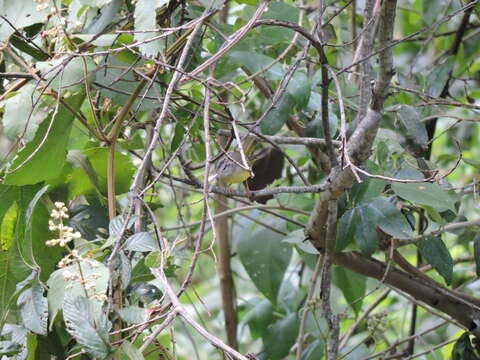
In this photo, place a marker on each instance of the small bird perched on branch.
(231, 168)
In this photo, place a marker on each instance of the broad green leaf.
(105, 17)
(390, 219)
(178, 137)
(59, 287)
(369, 188)
(438, 77)
(145, 19)
(23, 114)
(425, 194)
(258, 316)
(124, 269)
(313, 351)
(31, 242)
(435, 252)
(34, 308)
(123, 169)
(90, 221)
(412, 128)
(89, 327)
(463, 349)
(133, 314)
(145, 293)
(352, 285)
(346, 228)
(300, 88)
(290, 298)
(117, 91)
(153, 260)
(297, 238)
(62, 73)
(117, 224)
(140, 272)
(31, 347)
(365, 232)
(265, 259)
(255, 61)
(314, 127)
(27, 47)
(278, 115)
(281, 336)
(24, 14)
(12, 270)
(130, 351)
(280, 11)
(142, 242)
(43, 157)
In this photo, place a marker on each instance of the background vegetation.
(355, 239)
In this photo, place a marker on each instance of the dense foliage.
(354, 237)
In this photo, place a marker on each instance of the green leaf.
(425, 194)
(300, 88)
(438, 77)
(258, 316)
(123, 268)
(435, 252)
(255, 61)
(178, 137)
(145, 293)
(412, 127)
(89, 328)
(297, 238)
(23, 15)
(390, 219)
(23, 114)
(123, 169)
(90, 221)
(278, 115)
(25, 46)
(59, 287)
(365, 230)
(265, 259)
(314, 351)
(140, 272)
(352, 285)
(11, 271)
(44, 156)
(145, 19)
(275, 34)
(31, 346)
(66, 72)
(34, 308)
(104, 17)
(130, 351)
(346, 229)
(153, 260)
(369, 188)
(463, 349)
(281, 336)
(133, 314)
(142, 242)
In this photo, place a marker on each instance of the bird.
(231, 169)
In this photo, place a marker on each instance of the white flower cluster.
(66, 233)
(42, 4)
